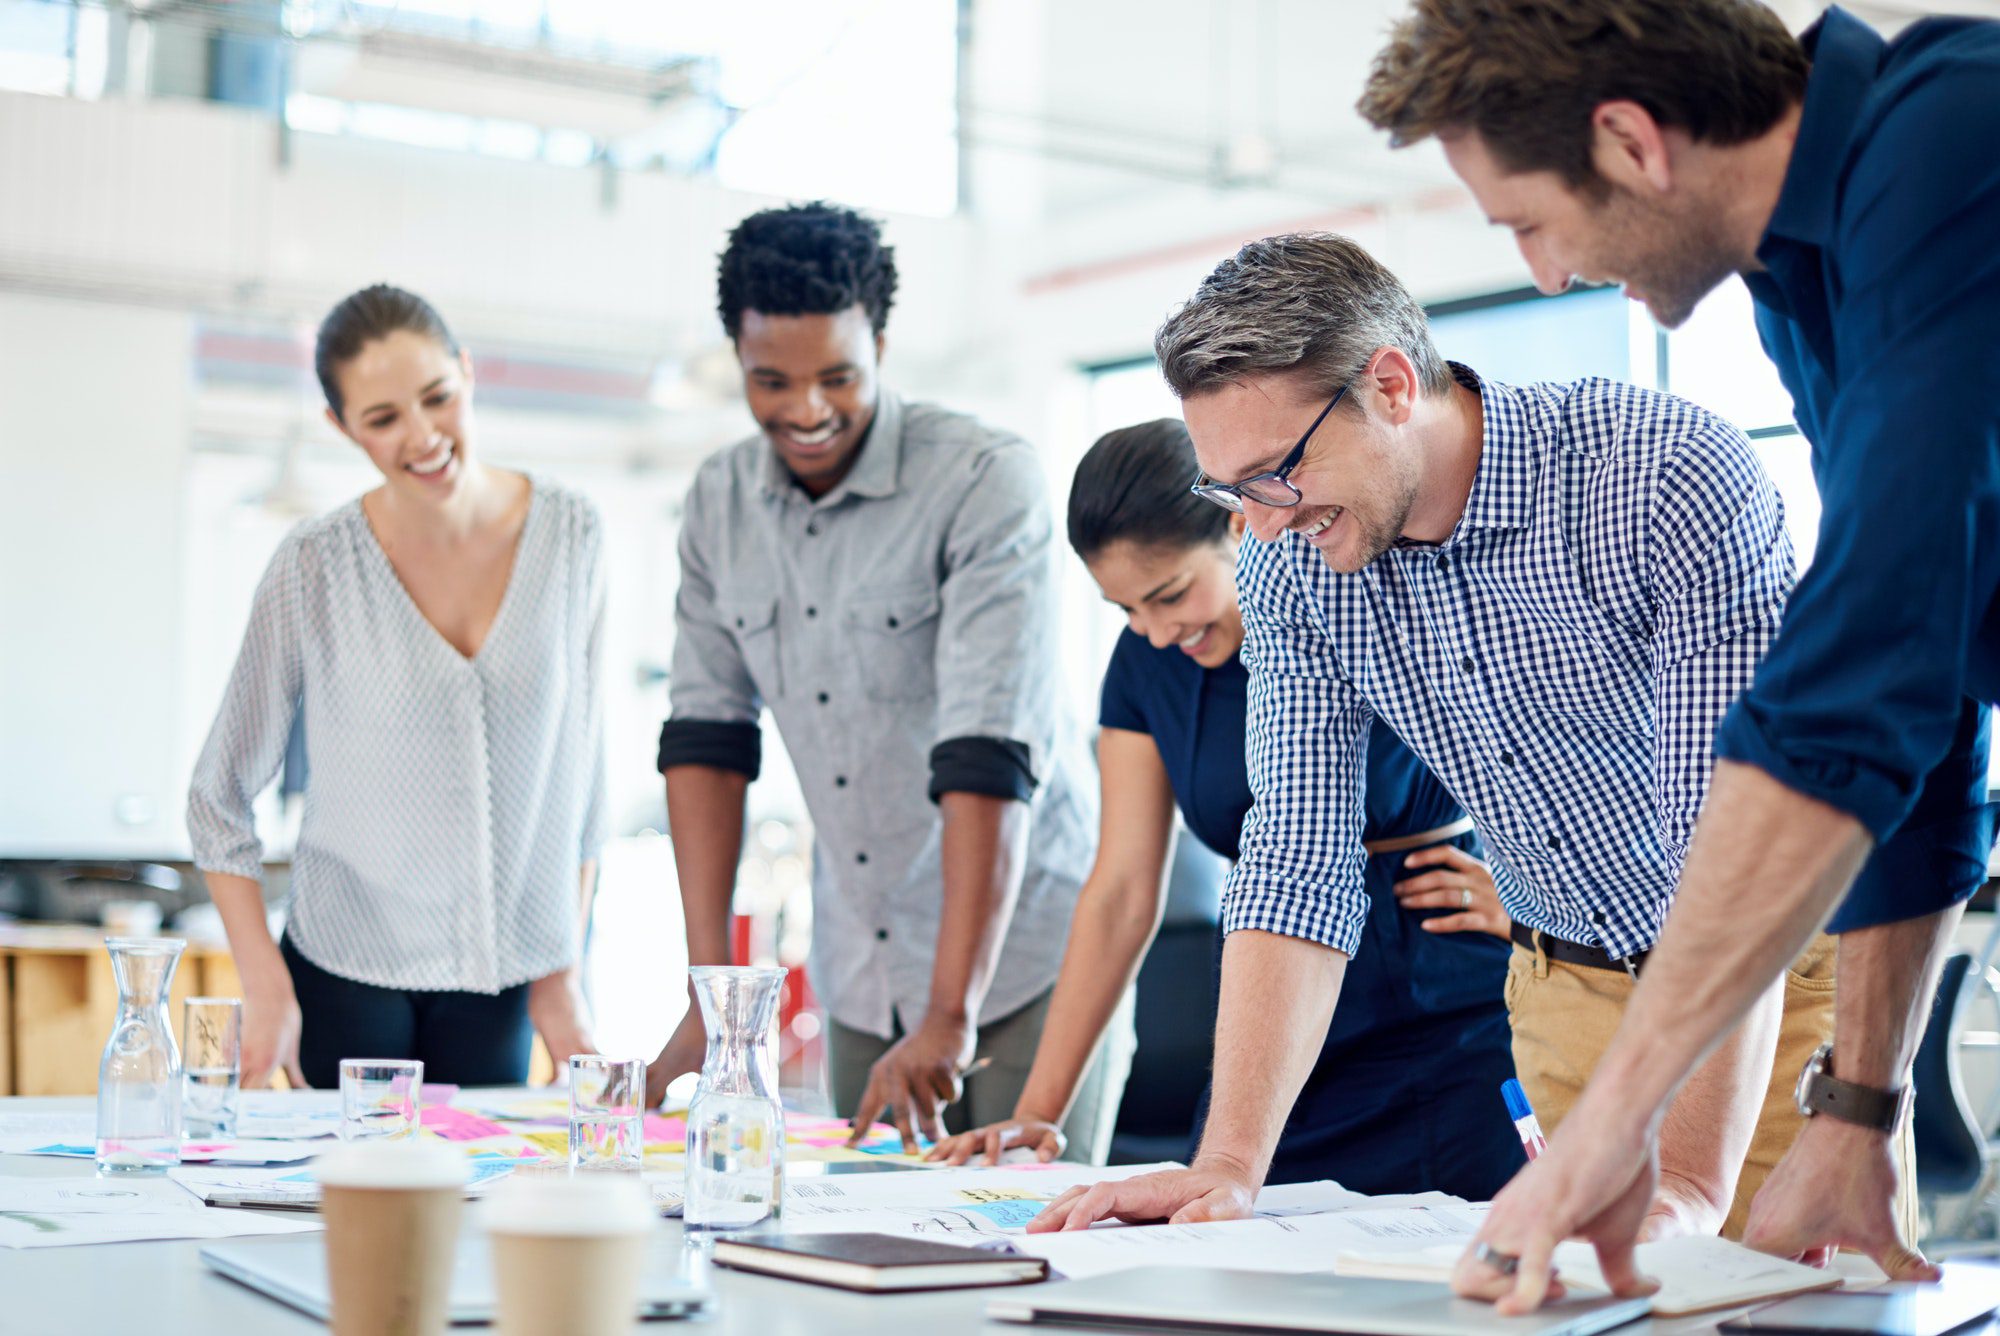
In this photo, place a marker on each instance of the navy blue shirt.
(1197, 717)
(1878, 302)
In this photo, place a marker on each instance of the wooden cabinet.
(57, 1001)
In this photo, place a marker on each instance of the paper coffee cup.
(392, 1212)
(568, 1253)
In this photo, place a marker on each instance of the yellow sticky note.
(999, 1194)
(555, 1143)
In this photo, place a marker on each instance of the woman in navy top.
(1406, 1094)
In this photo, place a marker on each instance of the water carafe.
(139, 1080)
(735, 1126)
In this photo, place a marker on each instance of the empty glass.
(607, 1101)
(378, 1098)
(735, 1127)
(212, 1068)
(139, 1077)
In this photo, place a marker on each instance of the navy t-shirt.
(1198, 717)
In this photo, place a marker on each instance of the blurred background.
(186, 186)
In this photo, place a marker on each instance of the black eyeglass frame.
(1230, 495)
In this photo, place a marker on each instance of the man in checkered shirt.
(1551, 593)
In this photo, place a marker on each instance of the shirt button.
(1444, 562)
(812, 531)
(881, 934)
(1507, 758)
(861, 858)
(822, 698)
(840, 781)
(812, 612)
(1555, 842)
(893, 623)
(739, 623)
(1465, 664)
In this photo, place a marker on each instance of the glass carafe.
(139, 1080)
(735, 1126)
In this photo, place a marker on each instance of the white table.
(163, 1289)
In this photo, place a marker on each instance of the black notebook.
(878, 1262)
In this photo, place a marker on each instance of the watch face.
(1815, 1065)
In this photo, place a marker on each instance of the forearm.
(1108, 937)
(1887, 976)
(240, 902)
(1709, 1125)
(705, 818)
(1764, 870)
(984, 848)
(1278, 996)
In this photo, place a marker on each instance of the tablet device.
(1966, 1294)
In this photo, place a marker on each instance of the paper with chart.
(1266, 1243)
(65, 1212)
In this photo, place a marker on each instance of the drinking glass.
(212, 1068)
(378, 1098)
(607, 1100)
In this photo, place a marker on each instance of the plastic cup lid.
(392, 1164)
(586, 1204)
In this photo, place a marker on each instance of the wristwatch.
(1820, 1091)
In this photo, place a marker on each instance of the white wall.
(94, 404)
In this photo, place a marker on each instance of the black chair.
(1173, 1015)
(1951, 1151)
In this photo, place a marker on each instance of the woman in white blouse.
(438, 638)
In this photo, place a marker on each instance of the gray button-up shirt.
(912, 605)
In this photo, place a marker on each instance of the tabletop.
(164, 1289)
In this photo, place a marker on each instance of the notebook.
(1696, 1275)
(1198, 1299)
(878, 1262)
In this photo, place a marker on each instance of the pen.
(976, 1065)
(1523, 1114)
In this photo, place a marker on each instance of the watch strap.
(1864, 1106)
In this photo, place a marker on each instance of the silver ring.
(1465, 897)
(1505, 1263)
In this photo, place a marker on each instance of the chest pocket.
(895, 634)
(754, 623)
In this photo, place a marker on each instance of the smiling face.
(1183, 597)
(1356, 482)
(812, 383)
(407, 402)
(1667, 249)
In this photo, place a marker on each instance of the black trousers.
(462, 1038)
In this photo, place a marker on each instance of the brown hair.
(1528, 74)
(1311, 302)
(363, 317)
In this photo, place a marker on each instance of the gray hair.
(1311, 302)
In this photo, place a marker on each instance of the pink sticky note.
(458, 1125)
(436, 1094)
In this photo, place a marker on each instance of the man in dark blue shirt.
(1666, 145)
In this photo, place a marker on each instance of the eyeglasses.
(1266, 489)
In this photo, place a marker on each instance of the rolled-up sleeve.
(996, 680)
(1863, 701)
(1300, 873)
(246, 744)
(1719, 567)
(713, 700)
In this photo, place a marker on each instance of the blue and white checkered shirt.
(1559, 661)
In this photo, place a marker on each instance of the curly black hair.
(807, 259)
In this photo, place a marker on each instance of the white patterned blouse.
(450, 801)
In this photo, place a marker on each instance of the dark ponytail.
(371, 314)
(1133, 485)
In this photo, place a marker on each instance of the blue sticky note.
(1008, 1214)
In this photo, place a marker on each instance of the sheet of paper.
(248, 1152)
(979, 1206)
(53, 1229)
(1699, 1274)
(95, 1196)
(1264, 1243)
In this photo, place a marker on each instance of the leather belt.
(1571, 953)
(1436, 835)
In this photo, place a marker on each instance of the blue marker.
(1523, 1114)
